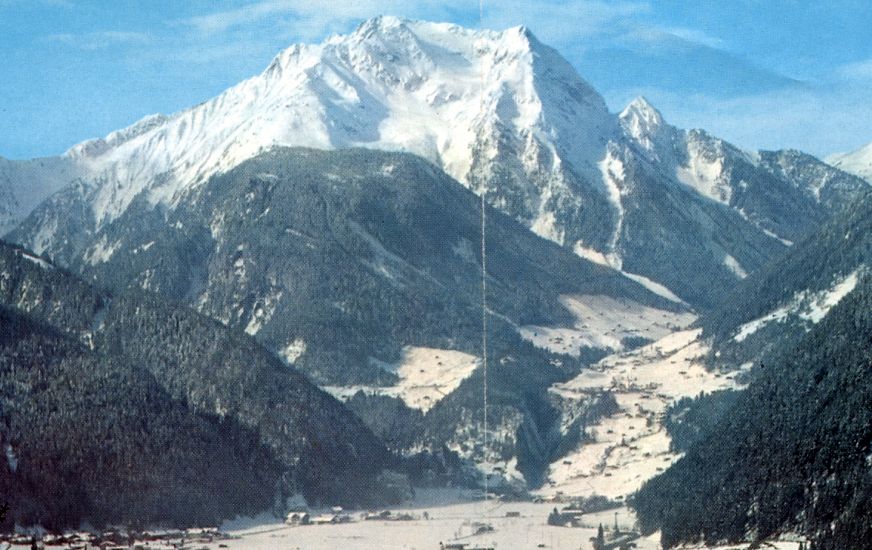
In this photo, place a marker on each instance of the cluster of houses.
(461, 546)
(119, 539)
(606, 539)
(338, 515)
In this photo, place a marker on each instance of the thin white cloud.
(565, 23)
(692, 35)
(100, 39)
(222, 21)
(554, 21)
(307, 14)
(859, 70)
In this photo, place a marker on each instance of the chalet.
(378, 516)
(387, 515)
(298, 518)
(325, 519)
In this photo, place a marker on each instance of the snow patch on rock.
(734, 266)
(101, 252)
(293, 351)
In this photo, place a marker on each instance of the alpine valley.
(286, 291)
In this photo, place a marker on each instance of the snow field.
(604, 322)
(631, 446)
(426, 376)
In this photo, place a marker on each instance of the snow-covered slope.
(774, 308)
(424, 377)
(857, 162)
(501, 113)
(437, 90)
(782, 193)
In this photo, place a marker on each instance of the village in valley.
(582, 504)
(439, 519)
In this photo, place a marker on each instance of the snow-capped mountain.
(439, 91)
(857, 162)
(362, 269)
(501, 113)
(783, 193)
(296, 207)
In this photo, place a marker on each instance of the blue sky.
(763, 74)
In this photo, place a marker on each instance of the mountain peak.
(642, 107)
(383, 21)
(467, 88)
(380, 25)
(643, 122)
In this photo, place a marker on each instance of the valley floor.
(623, 450)
(631, 446)
(449, 522)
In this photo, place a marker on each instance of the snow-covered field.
(426, 375)
(604, 322)
(631, 446)
(449, 521)
(805, 305)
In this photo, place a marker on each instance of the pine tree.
(600, 542)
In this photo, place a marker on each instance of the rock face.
(501, 113)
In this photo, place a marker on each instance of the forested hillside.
(338, 261)
(793, 453)
(125, 408)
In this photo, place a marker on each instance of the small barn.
(298, 518)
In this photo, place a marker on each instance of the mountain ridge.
(500, 112)
(338, 261)
(857, 162)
